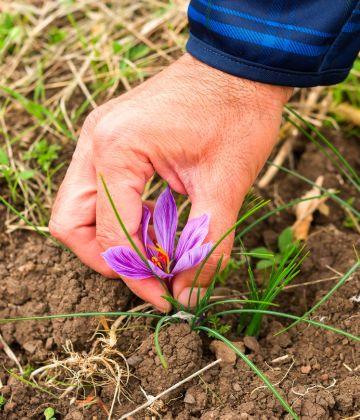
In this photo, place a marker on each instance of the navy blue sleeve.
(298, 43)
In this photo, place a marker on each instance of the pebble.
(252, 344)
(189, 398)
(223, 352)
(305, 369)
(30, 346)
(49, 343)
(240, 345)
(237, 387)
(134, 360)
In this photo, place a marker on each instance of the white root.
(10, 354)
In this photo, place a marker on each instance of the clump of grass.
(60, 60)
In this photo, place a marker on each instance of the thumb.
(125, 189)
(222, 206)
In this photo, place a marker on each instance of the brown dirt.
(319, 371)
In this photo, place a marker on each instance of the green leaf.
(262, 264)
(2, 401)
(24, 175)
(56, 35)
(285, 239)
(262, 253)
(49, 413)
(4, 160)
(138, 51)
(117, 47)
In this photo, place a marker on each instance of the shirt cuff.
(240, 67)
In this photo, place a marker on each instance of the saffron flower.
(163, 258)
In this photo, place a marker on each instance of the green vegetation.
(286, 247)
(49, 413)
(44, 99)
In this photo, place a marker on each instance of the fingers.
(125, 174)
(223, 208)
(73, 216)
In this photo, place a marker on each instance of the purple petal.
(192, 258)
(148, 243)
(165, 221)
(126, 262)
(193, 235)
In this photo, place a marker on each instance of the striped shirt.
(283, 42)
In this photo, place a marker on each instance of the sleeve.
(299, 43)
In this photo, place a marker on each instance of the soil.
(316, 370)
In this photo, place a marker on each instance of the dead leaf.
(304, 211)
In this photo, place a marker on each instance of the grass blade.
(79, 315)
(326, 153)
(343, 279)
(159, 325)
(333, 196)
(290, 316)
(327, 142)
(253, 210)
(121, 223)
(278, 209)
(245, 301)
(29, 223)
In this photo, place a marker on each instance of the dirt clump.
(182, 349)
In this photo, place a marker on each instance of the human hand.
(205, 132)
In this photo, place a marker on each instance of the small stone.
(189, 398)
(240, 345)
(134, 360)
(324, 377)
(237, 387)
(328, 351)
(74, 415)
(30, 347)
(244, 416)
(27, 267)
(223, 352)
(10, 407)
(252, 344)
(305, 369)
(316, 366)
(49, 343)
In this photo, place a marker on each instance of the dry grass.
(59, 59)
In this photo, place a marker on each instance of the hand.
(205, 132)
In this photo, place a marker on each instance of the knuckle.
(59, 232)
(92, 120)
(109, 236)
(105, 129)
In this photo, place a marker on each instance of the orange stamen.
(162, 260)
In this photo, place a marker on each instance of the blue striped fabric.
(296, 43)
(254, 37)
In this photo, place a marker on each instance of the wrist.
(236, 88)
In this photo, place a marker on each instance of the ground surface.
(317, 371)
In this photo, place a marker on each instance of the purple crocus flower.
(164, 259)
